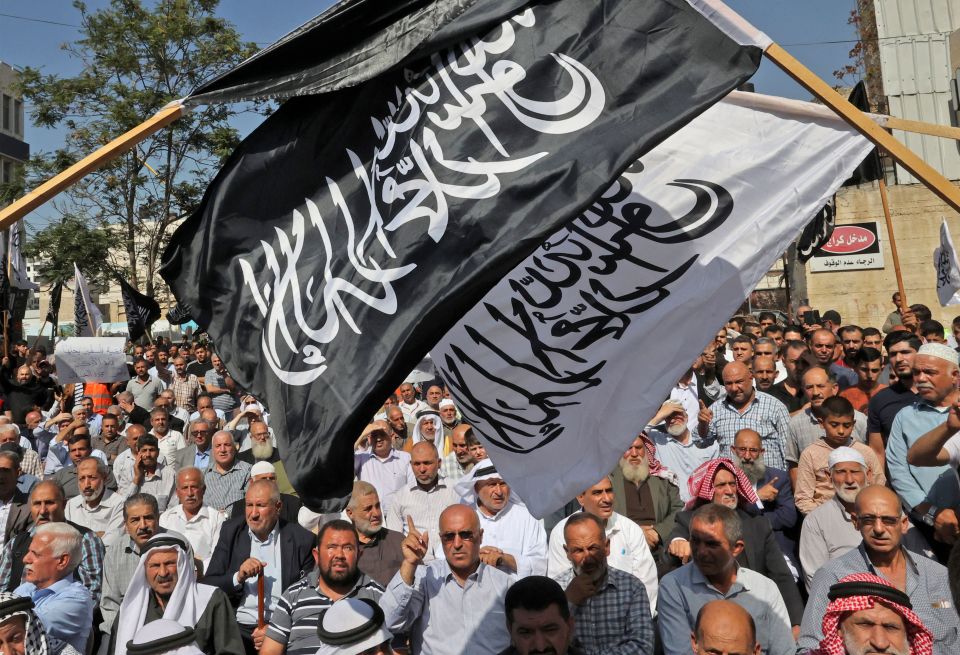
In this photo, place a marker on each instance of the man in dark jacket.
(246, 544)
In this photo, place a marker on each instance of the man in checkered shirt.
(610, 607)
(745, 407)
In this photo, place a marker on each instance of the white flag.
(18, 264)
(566, 359)
(81, 301)
(948, 272)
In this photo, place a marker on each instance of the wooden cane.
(260, 601)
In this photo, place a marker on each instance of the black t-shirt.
(884, 407)
(781, 393)
(199, 368)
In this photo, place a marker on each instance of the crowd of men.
(796, 492)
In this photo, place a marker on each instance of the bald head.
(733, 370)
(722, 626)
(424, 450)
(459, 513)
(875, 493)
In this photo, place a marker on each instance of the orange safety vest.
(100, 393)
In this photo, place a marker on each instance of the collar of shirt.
(392, 457)
(213, 468)
(439, 485)
(843, 510)
(923, 405)
(697, 577)
(273, 537)
(313, 579)
(729, 405)
(911, 564)
(53, 589)
(496, 517)
(475, 577)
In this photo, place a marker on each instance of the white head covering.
(446, 402)
(846, 454)
(35, 642)
(438, 440)
(187, 602)
(262, 467)
(466, 486)
(940, 351)
(351, 626)
(163, 637)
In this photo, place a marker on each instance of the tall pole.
(885, 201)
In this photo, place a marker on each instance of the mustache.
(163, 579)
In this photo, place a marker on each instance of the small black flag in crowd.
(53, 309)
(142, 311)
(439, 148)
(179, 314)
(818, 231)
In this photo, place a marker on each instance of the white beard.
(261, 450)
(677, 430)
(635, 473)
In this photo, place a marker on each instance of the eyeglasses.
(752, 451)
(888, 521)
(199, 431)
(465, 535)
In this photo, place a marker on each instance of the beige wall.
(863, 297)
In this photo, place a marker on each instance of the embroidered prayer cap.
(262, 468)
(940, 351)
(446, 402)
(846, 454)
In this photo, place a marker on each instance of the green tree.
(134, 61)
(59, 245)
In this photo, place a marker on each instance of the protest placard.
(91, 359)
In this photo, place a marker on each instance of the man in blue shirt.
(63, 604)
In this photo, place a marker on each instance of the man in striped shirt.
(293, 625)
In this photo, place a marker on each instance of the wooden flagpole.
(893, 243)
(90, 163)
(260, 601)
(39, 334)
(867, 127)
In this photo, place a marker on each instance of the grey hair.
(274, 489)
(64, 540)
(361, 488)
(9, 427)
(192, 469)
(11, 455)
(102, 469)
(712, 513)
(125, 396)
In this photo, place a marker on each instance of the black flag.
(819, 230)
(53, 309)
(353, 228)
(142, 311)
(179, 315)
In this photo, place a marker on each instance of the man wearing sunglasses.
(454, 604)
(881, 521)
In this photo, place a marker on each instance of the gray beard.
(635, 473)
(261, 450)
(677, 430)
(754, 470)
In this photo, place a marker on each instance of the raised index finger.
(411, 528)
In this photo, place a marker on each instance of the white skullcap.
(446, 402)
(262, 467)
(352, 625)
(940, 351)
(846, 454)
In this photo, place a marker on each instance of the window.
(7, 112)
(18, 118)
(6, 175)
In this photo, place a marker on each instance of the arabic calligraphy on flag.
(855, 246)
(948, 272)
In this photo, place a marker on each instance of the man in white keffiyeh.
(164, 637)
(164, 586)
(20, 629)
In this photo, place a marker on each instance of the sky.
(31, 33)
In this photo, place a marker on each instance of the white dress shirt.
(628, 552)
(170, 443)
(106, 517)
(387, 475)
(202, 530)
(514, 531)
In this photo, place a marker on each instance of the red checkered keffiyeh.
(919, 637)
(700, 483)
(656, 466)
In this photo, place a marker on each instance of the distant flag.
(819, 230)
(352, 229)
(18, 263)
(673, 246)
(53, 309)
(948, 270)
(87, 323)
(179, 315)
(142, 311)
